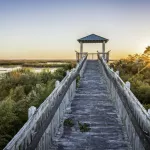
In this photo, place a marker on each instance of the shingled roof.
(93, 38)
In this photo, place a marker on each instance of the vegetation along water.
(20, 89)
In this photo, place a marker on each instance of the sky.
(49, 29)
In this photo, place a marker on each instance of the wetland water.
(34, 69)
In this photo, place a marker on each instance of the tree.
(147, 51)
(7, 119)
(136, 69)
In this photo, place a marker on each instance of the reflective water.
(8, 69)
(36, 70)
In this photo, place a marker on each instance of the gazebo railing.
(92, 56)
(38, 132)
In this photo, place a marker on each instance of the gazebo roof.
(92, 38)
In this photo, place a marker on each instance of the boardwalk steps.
(92, 105)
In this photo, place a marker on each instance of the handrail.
(126, 100)
(28, 136)
(91, 53)
(136, 106)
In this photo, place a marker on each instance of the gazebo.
(92, 38)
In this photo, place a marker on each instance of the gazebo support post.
(103, 49)
(81, 49)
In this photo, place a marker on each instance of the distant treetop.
(147, 51)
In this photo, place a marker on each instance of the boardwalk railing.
(38, 132)
(134, 116)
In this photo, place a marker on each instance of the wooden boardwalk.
(92, 105)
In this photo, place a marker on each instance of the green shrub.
(84, 127)
(69, 122)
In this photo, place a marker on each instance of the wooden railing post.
(117, 72)
(108, 56)
(31, 111)
(77, 56)
(98, 57)
(128, 85)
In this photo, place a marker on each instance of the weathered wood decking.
(92, 105)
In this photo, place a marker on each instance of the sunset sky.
(49, 29)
